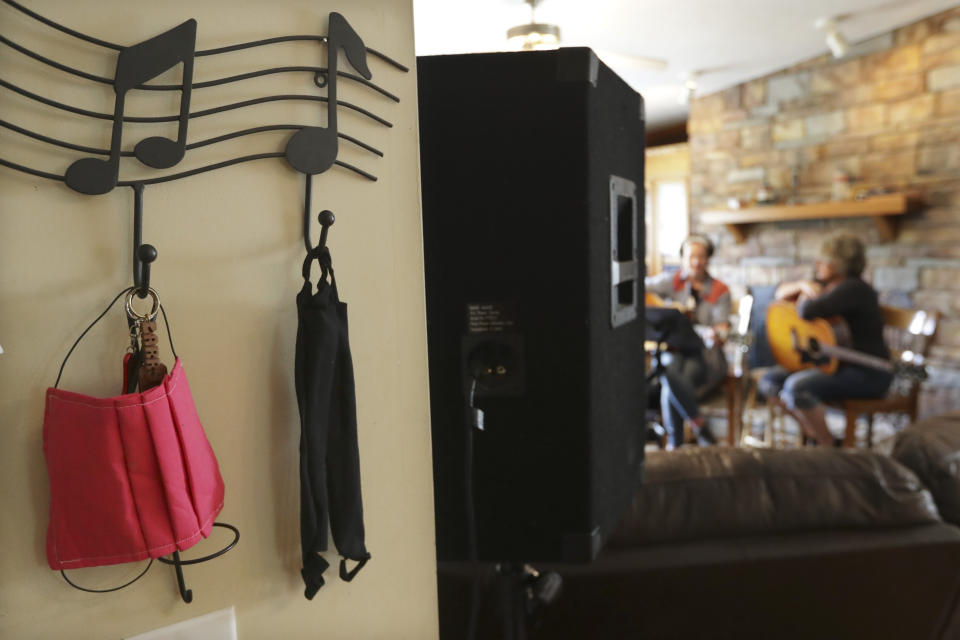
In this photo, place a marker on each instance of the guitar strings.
(207, 52)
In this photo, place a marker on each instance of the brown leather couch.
(739, 543)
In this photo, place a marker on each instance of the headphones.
(696, 238)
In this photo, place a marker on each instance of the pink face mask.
(131, 477)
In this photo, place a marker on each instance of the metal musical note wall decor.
(310, 150)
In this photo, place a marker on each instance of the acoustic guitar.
(802, 344)
(653, 300)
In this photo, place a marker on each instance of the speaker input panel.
(496, 361)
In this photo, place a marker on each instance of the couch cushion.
(698, 493)
(931, 449)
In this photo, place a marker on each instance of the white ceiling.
(742, 39)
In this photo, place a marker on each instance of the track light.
(689, 87)
(836, 41)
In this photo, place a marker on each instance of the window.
(667, 219)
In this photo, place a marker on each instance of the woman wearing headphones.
(708, 302)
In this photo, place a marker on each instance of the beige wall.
(230, 251)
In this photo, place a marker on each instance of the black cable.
(126, 584)
(471, 516)
(77, 341)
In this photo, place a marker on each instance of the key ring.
(154, 307)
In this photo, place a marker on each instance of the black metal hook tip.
(326, 218)
(185, 594)
(147, 253)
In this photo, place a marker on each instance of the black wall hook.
(143, 254)
(325, 218)
(178, 563)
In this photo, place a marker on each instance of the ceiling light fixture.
(534, 35)
(690, 86)
(836, 41)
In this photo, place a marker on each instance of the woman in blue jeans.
(837, 290)
(708, 301)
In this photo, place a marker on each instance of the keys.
(152, 371)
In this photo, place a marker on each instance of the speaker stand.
(521, 592)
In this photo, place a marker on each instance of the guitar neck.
(857, 357)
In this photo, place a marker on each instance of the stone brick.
(895, 141)
(749, 122)
(765, 111)
(943, 78)
(760, 159)
(945, 302)
(936, 216)
(867, 118)
(948, 332)
(846, 146)
(914, 33)
(895, 62)
(754, 94)
(803, 156)
(940, 131)
(755, 137)
(706, 106)
(948, 103)
(728, 140)
(940, 279)
(769, 237)
(938, 159)
(700, 126)
(768, 261)
(786, 130)
(836, 77)
(946, 58)
(825, 125)
(896, 278)
(789, 87)
(933, 237)
(754, 174)
(887, 165)
(780, 178)
(935, 263)
(724, 156)
(911, 110)
(861, 94)
(895, 88)
(702, 142)
(940, 42)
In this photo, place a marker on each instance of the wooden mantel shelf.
(881, 208)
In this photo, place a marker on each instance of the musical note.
(313, 150)
(136, 65)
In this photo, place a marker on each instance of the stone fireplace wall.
(888, 115)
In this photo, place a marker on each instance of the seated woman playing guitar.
(708, 301)
(836, 291)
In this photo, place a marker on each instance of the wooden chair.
(908, 334)
(732, 389)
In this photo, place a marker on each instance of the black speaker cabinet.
(532, 187)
